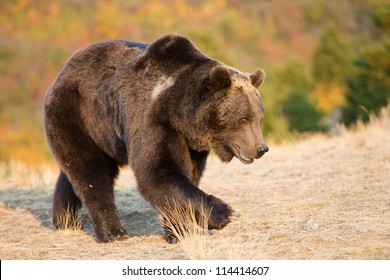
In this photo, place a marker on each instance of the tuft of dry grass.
(69, 220)
(189, 226)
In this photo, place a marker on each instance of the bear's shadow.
(135, 214)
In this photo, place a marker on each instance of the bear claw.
(235, 215)
(221, 213)
(171, 239)
(113, 235)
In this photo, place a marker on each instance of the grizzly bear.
(159, 108)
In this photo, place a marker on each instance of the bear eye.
(244, 120)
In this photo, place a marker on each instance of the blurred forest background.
(327, 62)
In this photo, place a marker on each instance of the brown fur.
(158, 107)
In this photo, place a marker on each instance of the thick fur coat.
(159, 108)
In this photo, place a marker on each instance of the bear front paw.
(104, 236)
(221, 213)
(171, 238)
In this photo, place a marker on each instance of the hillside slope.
(319, 198)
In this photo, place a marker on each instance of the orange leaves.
(271, 49)
(108, 19)
(32, 17)
(20, 6)
(328, 97)
(25, 143)
(37, 37)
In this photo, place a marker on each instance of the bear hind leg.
(93, 178)
(65, 205)
(90, 174)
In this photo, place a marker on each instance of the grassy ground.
(318, 198)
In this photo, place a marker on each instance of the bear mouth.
(239, 153)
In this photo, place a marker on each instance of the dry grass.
(319, 198)
(69, 220)
(189, 228)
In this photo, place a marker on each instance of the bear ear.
(257, 78)
(219, 78)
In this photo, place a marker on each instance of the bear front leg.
(168, 172)
(174, 193)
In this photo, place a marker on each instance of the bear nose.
(262, 150)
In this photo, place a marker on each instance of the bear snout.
(261, 151)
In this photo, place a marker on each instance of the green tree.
(368, 88)
(330, 59)
(293, 78)
(301, 114)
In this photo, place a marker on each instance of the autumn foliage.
(289, 39)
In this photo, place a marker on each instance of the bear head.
(236, 117)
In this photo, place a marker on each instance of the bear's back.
(103, 55)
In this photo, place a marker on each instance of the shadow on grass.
(135, 214)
